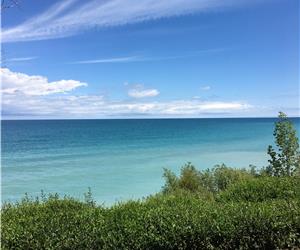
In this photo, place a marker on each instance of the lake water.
(122, 159)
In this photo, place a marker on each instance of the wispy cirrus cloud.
(142, 58)
(21, 59)
(70, 17)
(109, 60)
(34, 96)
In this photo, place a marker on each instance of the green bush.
(263, 188)
(189, 180)
(159, 222)
(52, 223)
(202, 182)
(221, 177)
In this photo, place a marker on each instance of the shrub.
(159, 222)
(222, 177)
(52, 223)
(261, 189)
(215, 180)
(190, 180)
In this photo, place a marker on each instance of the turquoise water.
(122, 159)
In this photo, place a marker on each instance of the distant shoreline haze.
(147, 118)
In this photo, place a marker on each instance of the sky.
(150, 59)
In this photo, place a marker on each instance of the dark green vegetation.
(221, 208)
(287, 161)
(181, 221)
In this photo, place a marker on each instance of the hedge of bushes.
(222, 208)
(262, 189)
(158, 222)
(212, 180)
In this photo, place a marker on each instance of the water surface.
(122, 159)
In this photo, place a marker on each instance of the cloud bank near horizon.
(25, 96)
(70, 17)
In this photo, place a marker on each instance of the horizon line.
(151, 118)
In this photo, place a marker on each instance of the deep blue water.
(122, 159)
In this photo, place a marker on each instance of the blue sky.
(125, 58)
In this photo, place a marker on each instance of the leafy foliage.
(189, 179)
(286, 161)
(257, 212)
(215, 180)
(160, 222)
(262, 189)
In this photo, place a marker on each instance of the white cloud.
(70, 17)
(139, 92)
(205, 88)
(14, 83)
(135, 58)
(21, 59)
(31, 96)
(85, 106)
(109, 60)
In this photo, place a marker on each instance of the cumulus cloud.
(33, 96)
(139, 92)
(70, 17)
(14, 82)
